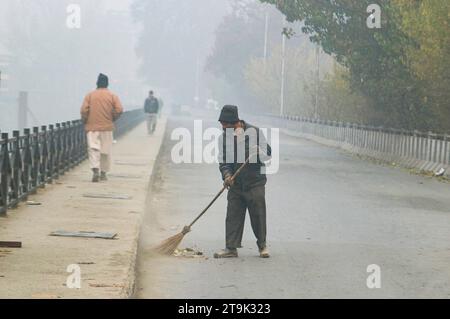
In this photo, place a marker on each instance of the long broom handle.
(221, 191)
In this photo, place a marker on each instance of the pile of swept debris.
(188, 253)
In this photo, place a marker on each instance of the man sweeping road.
(247, 191)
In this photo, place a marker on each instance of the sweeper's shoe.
(264, 253)
(226, 253)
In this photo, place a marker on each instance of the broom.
(168, 246)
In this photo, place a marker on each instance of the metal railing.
(41, 155)
(128, 121)
(418, 147)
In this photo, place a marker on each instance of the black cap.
(102, 81)
(229, 114)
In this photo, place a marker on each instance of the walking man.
(100, 109)
(240, 141)
(151, 107)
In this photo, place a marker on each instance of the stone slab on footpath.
(107, 267)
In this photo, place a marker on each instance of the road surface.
(330, 216)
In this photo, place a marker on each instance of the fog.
(352, 96)
(189, 52)
(44, 53)
(58, 65)
(204, 54)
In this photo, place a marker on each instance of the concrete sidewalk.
(39, 268)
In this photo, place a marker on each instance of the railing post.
(58, 159)
(379, 143)
(446, 149)
(5, 171)
(403, 142)
(35, 178)
(63, 148)
(28, 162)
(385, 142)
(422, 147)
(406, 143)
(16, 168)
(417, 144)
(435, 144)
(411, 144)
(63, 138)
(52, 154)
(77, 143)
(391, 140)
(44, 156)
(433, 147)
(71, 144)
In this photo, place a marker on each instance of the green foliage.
(427, 23)
(381, 62)
(264, 80)
(338, 102)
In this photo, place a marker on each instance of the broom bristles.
(169, 246)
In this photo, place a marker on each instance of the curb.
(409, 163)
(129, 288)
(130, 283)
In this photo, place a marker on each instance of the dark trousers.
(239, 201)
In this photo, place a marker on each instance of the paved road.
(330, 215)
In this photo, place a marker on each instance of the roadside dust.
(161, 222)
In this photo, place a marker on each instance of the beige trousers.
(151, 122)
(100, 150)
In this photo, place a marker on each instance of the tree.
(375, 58)
(264, 79)
(175, 34)
(239, 39)
(428, 23)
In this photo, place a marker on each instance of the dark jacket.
(251, 176)
(151, 105)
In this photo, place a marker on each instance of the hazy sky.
(58, 66)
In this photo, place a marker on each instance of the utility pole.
(316, 105)
(23, 110)
(197, 82)
(266, 36)
(283, 64)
